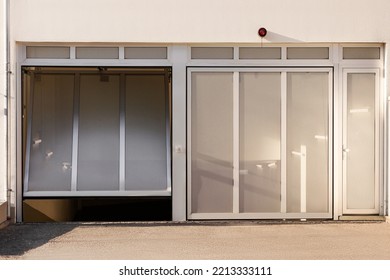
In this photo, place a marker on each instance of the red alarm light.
(262, 32)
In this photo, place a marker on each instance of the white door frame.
(121, 192)
(282, 214)
(377, 141)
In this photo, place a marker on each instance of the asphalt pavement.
(202, 240)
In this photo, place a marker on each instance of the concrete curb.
(213, 223)
(363, 218)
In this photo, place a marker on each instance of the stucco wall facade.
(3, 118)
(204, 21)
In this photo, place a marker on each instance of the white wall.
(3, 102)
(200, 20)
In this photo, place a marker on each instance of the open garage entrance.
(96, 138)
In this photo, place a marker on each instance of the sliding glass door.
(259, 143)
(211, 170)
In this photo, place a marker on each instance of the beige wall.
(200, 20)
(3, 102)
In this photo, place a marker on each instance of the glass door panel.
(51, 133)
(260, 145)
(307, 142)
(359, 143)
(98, 158)
(211, 142)
(146, 132)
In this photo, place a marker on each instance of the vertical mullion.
(236, 142)
(236, 54)
(72, 52)
(122, 132)
(331, 144)
(303, 176)
(168, 128)
(284, 53)
(75, 140)
(283, 135)
(344, 141)
(377, 145)
(121, 53)
(189, 142)
(29, 135)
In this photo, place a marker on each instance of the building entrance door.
(259, 143)
(360, 142)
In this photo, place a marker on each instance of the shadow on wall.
(273, 37)
(17, 239)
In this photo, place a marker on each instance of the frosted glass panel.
(308, 53)
(146, 132)
(211, 53)
(97, 53)
(307, 142)
(260, 142)
(146, 53)
(51, 133)
(361, 53)
(98, 159)
(212, 142)
(48, 52)
(260, 53)
(361, 141)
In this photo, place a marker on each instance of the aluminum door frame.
(121, 192)
(376, 71)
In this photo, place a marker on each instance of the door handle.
(345, 152)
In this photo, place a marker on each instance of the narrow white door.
(360, 142)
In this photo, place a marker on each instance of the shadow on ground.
(17, 239)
